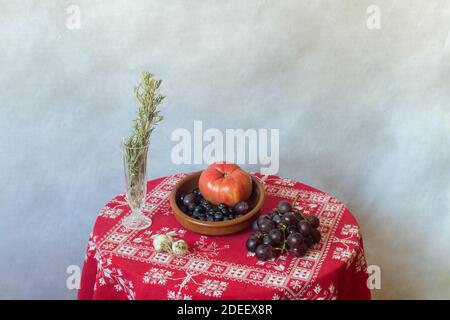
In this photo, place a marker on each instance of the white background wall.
(363, 115)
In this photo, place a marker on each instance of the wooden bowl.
(189, 183)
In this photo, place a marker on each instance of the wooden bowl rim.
(209, 224)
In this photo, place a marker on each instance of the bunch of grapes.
(284, 229)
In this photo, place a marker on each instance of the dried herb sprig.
(148, 116)
(149, 98)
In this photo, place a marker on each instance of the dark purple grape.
(276, 237)
(314, 221)
(308, 241)
(264, 252)
(192, 207)
(291, 229)
(261, 220)
(196, 191)
(255, 226)
(210, 218)
(289, 219)
(276, 218)
(190, 214)
(295, 240)
(316, 236)
(218, 216)
(305, 228)
(184, 209)
(284, 207)
(222, 206)
(266, 226)
(266, 239)
(189, 199)
(198, 210)
(242, 207)
(273, 213)
(252, 243)
(299, 251)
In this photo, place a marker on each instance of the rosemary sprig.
(148, 116)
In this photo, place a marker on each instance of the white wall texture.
(363, 115)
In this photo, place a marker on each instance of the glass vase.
(135, 169)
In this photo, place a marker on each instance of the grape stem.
(296, 210)
(283, 248)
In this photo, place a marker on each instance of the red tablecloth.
(121, 264)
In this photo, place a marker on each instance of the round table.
(121, 263)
